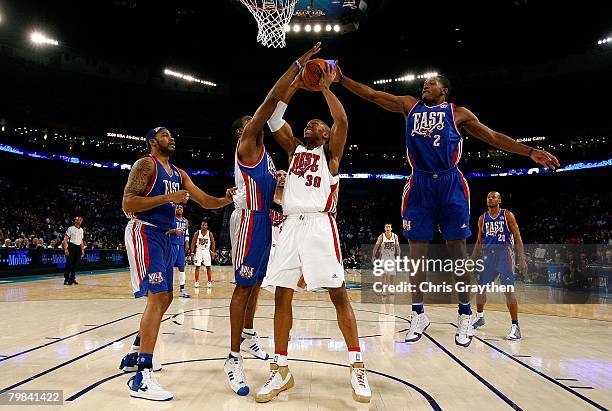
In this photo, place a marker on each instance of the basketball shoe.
(515, 333)
(144, 385)
(276, 383)
(418, 325)
(235, 375)
(197, 284)
(478, 322)
(251, 345)
(465, 331)
(359, 382)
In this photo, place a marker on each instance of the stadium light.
(308, 28)
(604, 41)
(188, 78)
(337, 28)
(40, 38)
(328, 27)
(296, 28)
(287, 28)
(317, 28)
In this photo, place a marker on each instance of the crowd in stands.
(37, 216)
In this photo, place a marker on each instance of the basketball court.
(72, 339)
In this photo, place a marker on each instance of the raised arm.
(281, 130)
(254, 127)
(203, 199)
(339, 130)
(390, 102)
(518, 241)
(478, 246)
(138, 181)
(466, 119)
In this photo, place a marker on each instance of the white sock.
(355, 356)
(248, 333)
(235, 354)
(181, 277)
(280, 360)
(480, 315)
(135, 348)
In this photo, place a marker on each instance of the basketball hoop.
(271, 16)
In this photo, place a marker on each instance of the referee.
(74, 248)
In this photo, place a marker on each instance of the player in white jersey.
(309, 238)
(387, 248)
(203, 251)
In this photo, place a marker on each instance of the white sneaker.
(515, 333)
(275, 384)
(235, 375)
(197, 284)
(478, 322)
(418, 325)
(144, 385)
(359, 382)
(251, 345)
(465, 331)
(184, 294)
(209, 284)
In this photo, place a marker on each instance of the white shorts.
(308, 246)
(202, 258)
(385, 258)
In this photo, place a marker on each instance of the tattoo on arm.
(139, 177)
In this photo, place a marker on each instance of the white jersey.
(203, 241)
(310, 187)
(387, 248)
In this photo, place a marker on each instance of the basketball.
(311, 74)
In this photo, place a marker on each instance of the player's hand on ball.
(298, 81)
(181, 196)
(327, 77)
(306, 56)
(544, 158)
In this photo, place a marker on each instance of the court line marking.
(542, 374)
(566, 379)
(586, 388)
(198, 329)
(432, 402)
(474, 374)
(65, 338)
(40, 374)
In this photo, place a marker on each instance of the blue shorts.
(179, 261)
(497, 261)
(432, 200)
(151, 255)
(251, 235)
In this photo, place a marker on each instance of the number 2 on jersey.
(436, 142)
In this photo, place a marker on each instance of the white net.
(272, 16)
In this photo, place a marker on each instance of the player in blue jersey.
(498, 233)
(251, 227)
(437, 194)
(153, 188)
(179, 237)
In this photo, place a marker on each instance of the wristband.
(530, 151)
(297, 63)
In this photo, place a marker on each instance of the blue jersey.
(433, 142)
(495, 231)
(162, 183)
(179, 224)
(255, 183)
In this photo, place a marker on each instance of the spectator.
(52, 244)
(7, 243)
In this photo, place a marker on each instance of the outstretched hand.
(544, 158)
(327, 77)
(306, 56)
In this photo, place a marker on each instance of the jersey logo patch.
(156, 278)
(425, 123)
(406, 225)
(246, 271)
